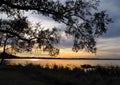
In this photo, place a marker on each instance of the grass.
(37, 75)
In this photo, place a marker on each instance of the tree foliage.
(82, 19)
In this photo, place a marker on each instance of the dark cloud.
(113, 9)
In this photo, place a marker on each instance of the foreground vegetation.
(37, 75)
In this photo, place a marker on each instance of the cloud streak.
(109, 47)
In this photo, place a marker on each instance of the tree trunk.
(3, 53)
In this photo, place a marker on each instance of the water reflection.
(64, 63)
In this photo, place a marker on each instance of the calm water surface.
(68, 63)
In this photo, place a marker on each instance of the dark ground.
(37, 75)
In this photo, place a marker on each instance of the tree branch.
(48, 11)
(43, 10)
(14, 34)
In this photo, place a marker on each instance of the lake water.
(68, 63)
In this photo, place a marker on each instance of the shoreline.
(51, 58)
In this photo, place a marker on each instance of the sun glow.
(68, 53)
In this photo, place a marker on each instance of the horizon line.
(53, 58)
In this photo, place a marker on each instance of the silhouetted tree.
(82, 19)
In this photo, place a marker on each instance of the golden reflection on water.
(65, 63)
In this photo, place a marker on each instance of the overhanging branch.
(14, 34)
(48, 11)
(43, 10)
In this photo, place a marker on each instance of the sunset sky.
(108, 45)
